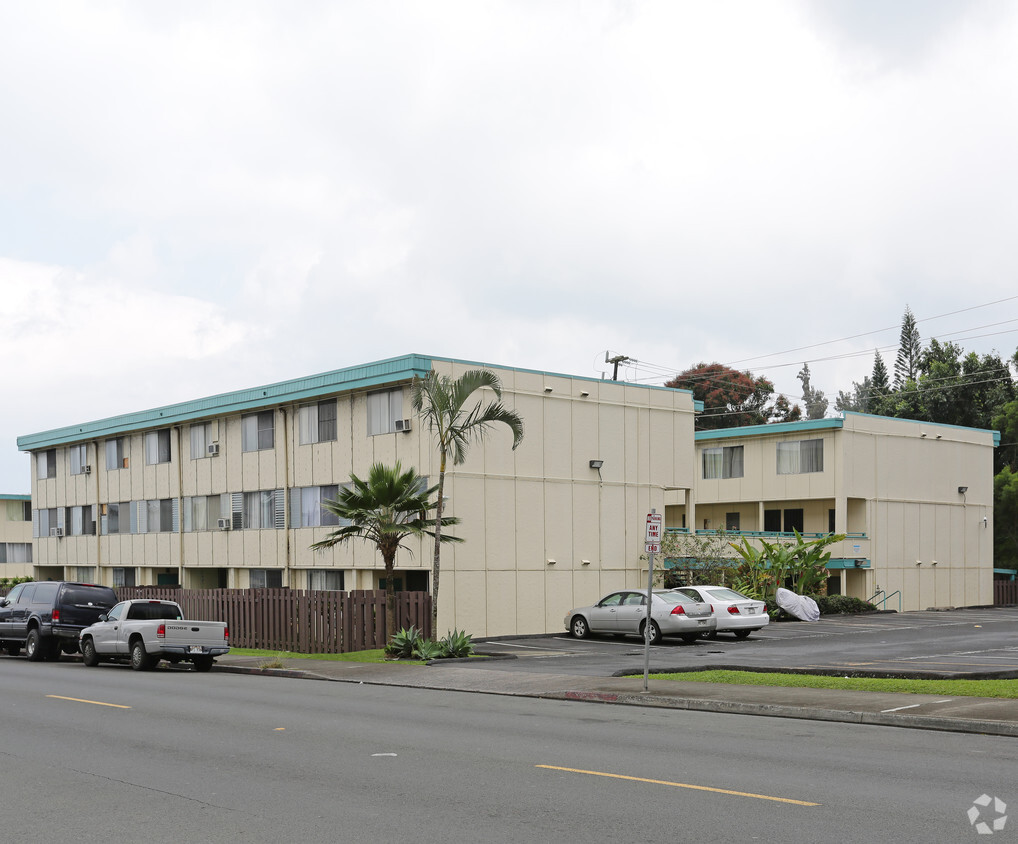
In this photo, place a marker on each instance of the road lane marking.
(899, 708)
(94, 702)
(679, 785)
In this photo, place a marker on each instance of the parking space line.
(93, 702)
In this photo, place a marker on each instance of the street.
(102, 754)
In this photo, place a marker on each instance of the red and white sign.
(653, 539)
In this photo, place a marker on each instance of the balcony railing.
(762, 534)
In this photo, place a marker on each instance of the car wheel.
(202, 663)
(742, 634)
(579, 628)
(710, 634)
(140, 661)
(34, 650)
(13, 650)
(88, 654)
(655, 632)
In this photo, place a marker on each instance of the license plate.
(196, 649)
(702, 621)
(750, 610)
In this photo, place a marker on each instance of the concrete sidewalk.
(989, 716)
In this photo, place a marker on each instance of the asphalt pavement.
(532, 674)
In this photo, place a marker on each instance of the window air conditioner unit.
(86, 470)
(57, 532)
(213, 449)
(403, 425)
(225, 524)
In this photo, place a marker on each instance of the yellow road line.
(95, 702)
(679, 785)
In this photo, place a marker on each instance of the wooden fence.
(1005, 592)
(303, 621)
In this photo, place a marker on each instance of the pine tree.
(879, 383)
(906, 366)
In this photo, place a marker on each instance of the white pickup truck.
(144, 632)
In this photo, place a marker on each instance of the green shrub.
(403, 644)
(429, 649)
(458, 644)
(835, 604)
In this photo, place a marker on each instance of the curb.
(877, 719)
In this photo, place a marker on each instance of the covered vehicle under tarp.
(802, 607)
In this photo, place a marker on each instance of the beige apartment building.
(914, 499)
(15, 536)
(226, 491)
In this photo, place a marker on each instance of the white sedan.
(735, 612)
(625, 612)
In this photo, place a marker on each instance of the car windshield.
(726, 595)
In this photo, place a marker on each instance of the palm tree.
(439, 400)
(387, 508)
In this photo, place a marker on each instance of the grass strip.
(945, 688)
(376, 655)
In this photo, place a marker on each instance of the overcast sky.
(201, 197)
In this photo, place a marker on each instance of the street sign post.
(652, 545)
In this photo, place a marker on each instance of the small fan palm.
(387, 508)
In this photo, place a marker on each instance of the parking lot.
(958, 643)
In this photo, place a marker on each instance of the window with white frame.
(82, 520)
(201, 438)
(203, 512)
(325, 580)
(45, 520)
(723, 462)
(258, 431)
(46, 464)
(78, 456)
(262, 509)
(157, 515)
(82, 574)
(157, 447)
(266, 578)
(117, 518)
(317, 422)
(800, 457)
(115, 458)
(15, 552)
(384, 408)
(124, 577)
(306, 506)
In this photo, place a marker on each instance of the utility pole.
(616, 360)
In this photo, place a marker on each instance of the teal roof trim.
(365, 376)
(996, 434)
(775, 428)
(4, 496)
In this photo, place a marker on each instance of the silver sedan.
(735, 612)
(625, 612)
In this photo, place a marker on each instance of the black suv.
(45, 618)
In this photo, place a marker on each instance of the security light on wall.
(963, 489)
(597, 464)
(547, 389)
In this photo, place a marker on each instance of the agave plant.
(429, 649)
(458, 644)
(403, 644)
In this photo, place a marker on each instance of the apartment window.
(201, 438)
(26, 511)
(19, 511)
(15, 552)
(257, 430)
(266, 578)
(306, 506)
(723, 462)
(117, 518)
(732, 521)
(124, 577)
(800, 457)
(325, 580)
(157, 447)
(262, 509)
(46, 464)
(383, 410)
(794, 520)
(772, 521)
(317, 422)
(82, 574)
(82, 520)
(115, 458)
(157, 515)
(203, 512)
(78, 455)
(47, 519)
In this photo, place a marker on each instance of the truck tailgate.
(187, 634)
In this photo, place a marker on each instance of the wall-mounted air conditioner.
(86, 470)
(213, 449)
(403, 425)
(225, 524)
(57, 532)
